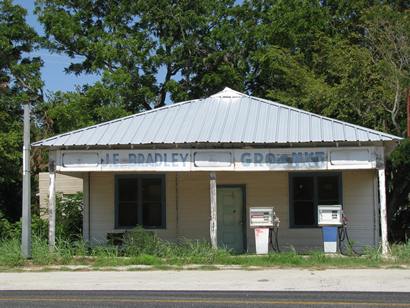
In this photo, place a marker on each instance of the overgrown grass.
(144, 248)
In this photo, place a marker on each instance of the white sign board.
(261, 217)
(329, 215)
(217, 160)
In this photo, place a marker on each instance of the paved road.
(347, 280)
(200, 299)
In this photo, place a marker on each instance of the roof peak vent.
(228, 92)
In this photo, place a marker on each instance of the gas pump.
(330, 218)
(264, 222)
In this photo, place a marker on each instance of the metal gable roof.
(226, 117)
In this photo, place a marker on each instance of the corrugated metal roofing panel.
(315, 126)
(283, 127)
(249, 128)
(327, 131)
(240, 117)
(350, 132)
(226, 117)
(294, 127)
(362, 135)
(262, 126)
(338, 131)
(304, 127)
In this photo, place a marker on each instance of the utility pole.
(26, 212)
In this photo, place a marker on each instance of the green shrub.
(139, 241)
(69, 216)
(8, 229)
(69, 221)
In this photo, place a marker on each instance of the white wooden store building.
(193, 169)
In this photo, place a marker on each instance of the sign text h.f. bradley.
(216, 159)
(166, 159)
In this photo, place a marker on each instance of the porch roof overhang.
(225, 119)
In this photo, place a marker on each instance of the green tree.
(20, 83)
(66, 111)
(129, 42)
(388, 38)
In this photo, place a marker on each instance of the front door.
(230, 203)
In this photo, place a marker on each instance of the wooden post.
(52, 206)
(383, 211)
(86, 209)
(213, 220)
(376, 218)
(26, 202)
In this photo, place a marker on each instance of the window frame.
(315, 176)
(140, 177)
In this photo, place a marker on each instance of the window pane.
(127, 214)
(128, 189)
(152, 214)
(140, 201)
(151, 190)
(303, 188)
(304, 213)
(328, 189)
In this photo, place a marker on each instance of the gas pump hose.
(344, 238)
(273, 239)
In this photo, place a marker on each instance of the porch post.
(52, 206)
(86, 209)
(383, 211)
(213, 221)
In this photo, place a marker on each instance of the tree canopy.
(20, 82)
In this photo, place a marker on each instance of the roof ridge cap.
(228, 92)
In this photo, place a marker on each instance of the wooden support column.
(86, 209)
(213, 220)
(383, 210)
(52, 206)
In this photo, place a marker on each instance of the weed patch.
(146, 249)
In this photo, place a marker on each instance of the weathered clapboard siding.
(262, 189)
(102, 202)
(193, 205)
(66, 184)
(272, 189)
(359, 206)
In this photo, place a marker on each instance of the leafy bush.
(139, 241)
(69, 221)
(69, 216)
(7, 229)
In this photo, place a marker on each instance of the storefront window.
(307, 191)
(140, 201)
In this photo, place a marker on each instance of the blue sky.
(53, 74)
